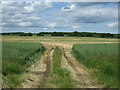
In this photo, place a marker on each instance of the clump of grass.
(16, 57)
(59, 77)
(11, 81)
(103, 58)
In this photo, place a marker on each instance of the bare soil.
(38, 73)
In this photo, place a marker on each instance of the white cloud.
(68, 8)
(33, 18)
(29, 8)
(25, 7)
(44, 28)
(3, 24)
(76, 26)
(35, 4)
(6, 3)
(52, 25)
(80, 13)
(25, 24)
(72, 6)
(32, 6)
(48, 4)
(4, 28)
(114, 24)
(17, 15)
(65, 25)
(23, 13)
(45, 15)
(93, 15)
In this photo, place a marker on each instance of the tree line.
(71, 34)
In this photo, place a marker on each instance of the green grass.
(102, 59)
(16, 57)
(56, 39)
(59, 77)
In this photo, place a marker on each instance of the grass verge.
(16, 58)
(102, 59)
(59, 77)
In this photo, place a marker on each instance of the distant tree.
(76, 33)
(25, 34)
(12, 33)
(29, 34)
(57, 34)
(40, 34)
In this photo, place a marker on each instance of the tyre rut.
(38, 73)
(82, 77)
(48, 68)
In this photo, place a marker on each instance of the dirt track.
(38, 73)
(78, 72)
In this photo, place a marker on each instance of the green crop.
(102, 59)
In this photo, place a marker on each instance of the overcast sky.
(59, 16)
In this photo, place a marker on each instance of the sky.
(100, 17)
